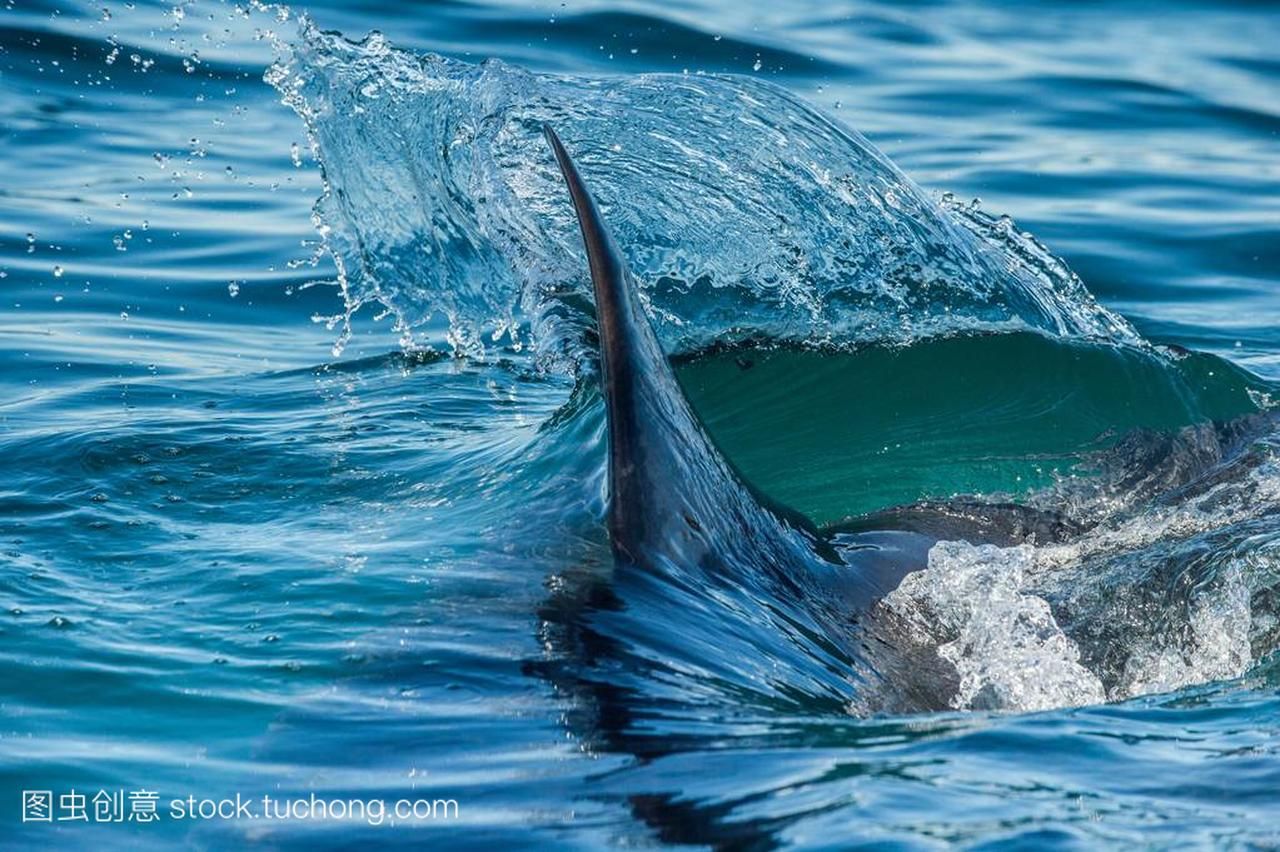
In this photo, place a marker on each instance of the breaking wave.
(746, 213)
(751, 218)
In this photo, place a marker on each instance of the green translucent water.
(834, 435)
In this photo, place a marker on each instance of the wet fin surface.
(677, 507)
(674, 499)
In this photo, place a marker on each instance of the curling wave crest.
(745, 212)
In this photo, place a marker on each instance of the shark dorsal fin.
(673, 497)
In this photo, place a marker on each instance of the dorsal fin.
(671, 492)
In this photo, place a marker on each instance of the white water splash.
(1007, 648)
(1161, 598)
(745, 212)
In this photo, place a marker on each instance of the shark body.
(678, 508)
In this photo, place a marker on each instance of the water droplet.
(234, 289)
(757, 66)
(57, 272)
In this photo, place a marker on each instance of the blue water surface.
(302, 475)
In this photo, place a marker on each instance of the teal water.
(303, 465)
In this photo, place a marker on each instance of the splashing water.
(748, 216)
(744, 211)
(1007, 648)
(1153, 599)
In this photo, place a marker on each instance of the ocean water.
(303, 461)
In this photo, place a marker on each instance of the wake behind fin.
(672, 495)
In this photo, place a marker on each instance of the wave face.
(748, 213)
